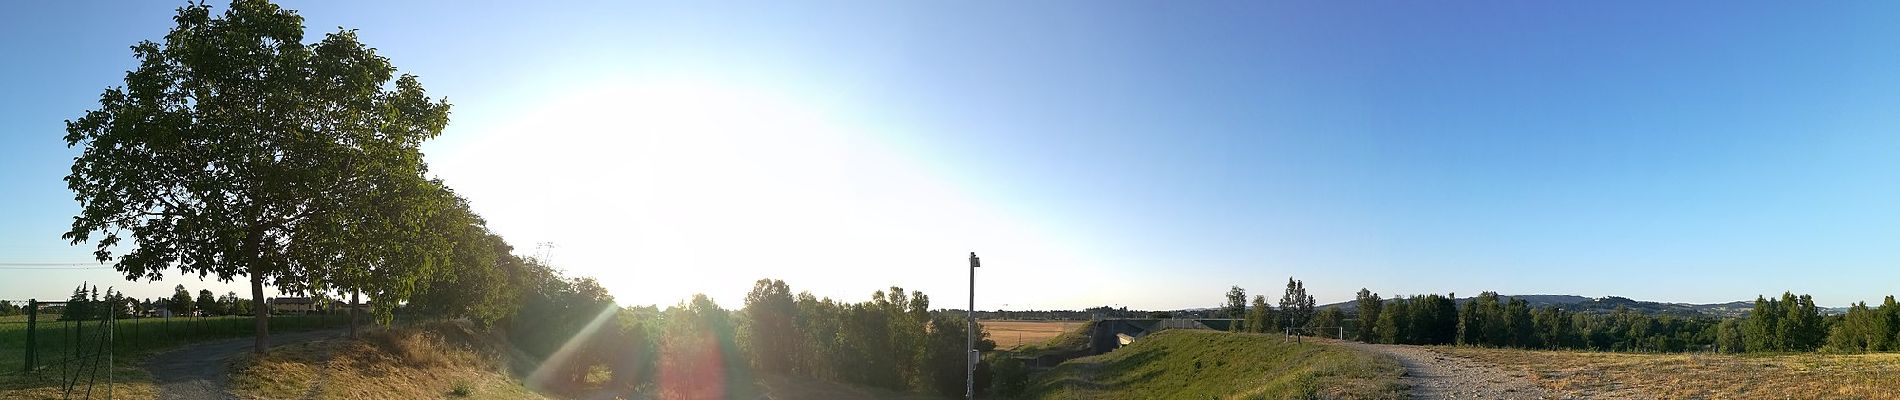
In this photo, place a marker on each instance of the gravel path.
(1433, 375)
(200, 371)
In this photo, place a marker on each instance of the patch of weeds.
(462, 389)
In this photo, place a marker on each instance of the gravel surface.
(1433, 375)
(200, 371)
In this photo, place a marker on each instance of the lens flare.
(547, 372)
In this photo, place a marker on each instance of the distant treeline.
(1787, 323)
(86, 303)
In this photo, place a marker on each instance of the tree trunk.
(263, 314)
(354, 293)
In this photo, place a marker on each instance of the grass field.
(62, 340)
(1011, 334)
(1190, 364)
(1702, 376)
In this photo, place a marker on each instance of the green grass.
(61, 340)
(1074, 341)
(1190, 364)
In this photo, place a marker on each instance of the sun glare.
(666, 188)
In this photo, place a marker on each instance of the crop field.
(1012, 334)
(1701, 376)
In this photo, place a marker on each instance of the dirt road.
(1432, 375)
(200, 371)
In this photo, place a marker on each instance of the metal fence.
(43, 339)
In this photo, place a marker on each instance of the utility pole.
(969, 366)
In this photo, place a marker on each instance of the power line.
(44, 265)
(47, 264)
(52, 268)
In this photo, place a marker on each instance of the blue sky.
(1145, 154)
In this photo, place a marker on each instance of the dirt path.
(1433, 375)
(200, 371)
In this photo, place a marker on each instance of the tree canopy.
(234, 148)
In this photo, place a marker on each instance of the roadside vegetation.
(433, 360)
(1202, 364)
(130, 382)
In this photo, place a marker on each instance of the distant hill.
(1607, 304)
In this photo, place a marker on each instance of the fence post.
(32, 322)
(79, 334)
(112, 341)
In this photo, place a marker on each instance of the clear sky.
(1146, 154)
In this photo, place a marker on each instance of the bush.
(1009, 376)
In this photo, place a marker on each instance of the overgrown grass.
(129, 380)
(1585, 374)
(1190, 364)
(433, 360)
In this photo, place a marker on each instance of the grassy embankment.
(135, 340)
(1073, 340)
(1209, 364)
(434, 360)
(1701, 376)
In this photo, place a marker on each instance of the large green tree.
(770, 337)
(1260, 316)
(1296, 307)
(1368, 304)
(234, 141)
(1236, 305)
(208, 303)
(181, 301)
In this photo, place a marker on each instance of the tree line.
(1789, 323)
(696, 349)
(87, 304)
(1784, 324)
(1296, 310)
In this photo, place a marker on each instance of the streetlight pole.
(969, 364)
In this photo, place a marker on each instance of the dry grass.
(1010, 334)
(438, 361)
(130, 381)
(1702, 376)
